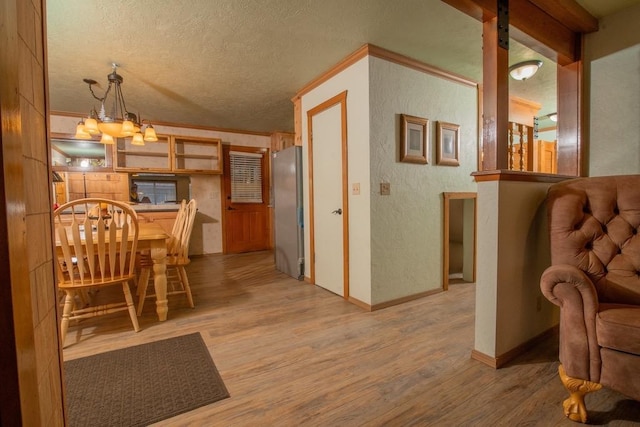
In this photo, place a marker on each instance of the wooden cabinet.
(281, 140)
(297, 120)
(113, 186)
(164, 219)
(152, 156)
(60, 193)
(172, 154)
(196, 155)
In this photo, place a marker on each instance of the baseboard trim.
(503, 359)
(483, 358)
(359, 303)
(402, 300)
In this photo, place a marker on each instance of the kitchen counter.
(148, 207)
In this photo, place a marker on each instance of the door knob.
(337, 211)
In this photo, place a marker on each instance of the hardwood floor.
(293, 354)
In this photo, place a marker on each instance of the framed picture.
(414, 139)
(448, 148)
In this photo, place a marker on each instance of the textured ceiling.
(236, 64)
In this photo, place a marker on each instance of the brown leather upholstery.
(595, 278)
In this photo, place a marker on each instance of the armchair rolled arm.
(571, 289)
(570, 279)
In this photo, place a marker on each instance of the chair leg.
(574, 407)
(143, 282)
(182, 272)
(66, 313)
(130, 306)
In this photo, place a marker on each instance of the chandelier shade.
(81, 132)
(113, 120)
(106, 139)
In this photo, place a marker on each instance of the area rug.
(143, 384)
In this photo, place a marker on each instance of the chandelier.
(113, 120)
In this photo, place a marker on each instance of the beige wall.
(407, 226)
(513, 251)
(27, 191)
(612, 66)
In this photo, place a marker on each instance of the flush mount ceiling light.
(553, 117)
(113, 120)
(524, 70)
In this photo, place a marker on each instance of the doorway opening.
(459, 238)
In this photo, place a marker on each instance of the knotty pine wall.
(30, 368)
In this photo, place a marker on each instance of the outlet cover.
(385, 188)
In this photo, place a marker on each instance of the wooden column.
(495, 104)
(570, 119)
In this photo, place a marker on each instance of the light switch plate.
(385, 188)
(355, 188)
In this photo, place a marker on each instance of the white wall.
(206, 189)
(613, 63)
(513, 251)
(407, 226)
(354, 79)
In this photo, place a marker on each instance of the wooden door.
(245, 199)
(329, 216)
(547, 156)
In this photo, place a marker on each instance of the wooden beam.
(532, 23)
(482, 10)
(555, 27)
(570, 13)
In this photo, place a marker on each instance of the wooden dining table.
(153, 238)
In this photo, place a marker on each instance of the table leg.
(159, 257)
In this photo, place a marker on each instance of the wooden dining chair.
(177, 258)
(96, 241)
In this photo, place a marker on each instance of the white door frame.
(340, 99)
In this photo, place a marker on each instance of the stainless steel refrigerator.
(287, 206)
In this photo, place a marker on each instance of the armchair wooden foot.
(574, 407)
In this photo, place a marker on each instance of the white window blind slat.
(246, 177)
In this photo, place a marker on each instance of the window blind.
(246, 177)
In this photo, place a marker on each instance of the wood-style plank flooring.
(293, 354)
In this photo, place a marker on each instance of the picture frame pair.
(414, 141)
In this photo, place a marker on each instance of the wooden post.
(495, 104)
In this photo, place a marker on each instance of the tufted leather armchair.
(595, 280)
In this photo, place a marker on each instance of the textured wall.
(407, 226)
(613, 61)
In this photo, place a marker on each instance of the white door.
(327, 199)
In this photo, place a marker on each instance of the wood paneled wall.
(29, 347)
